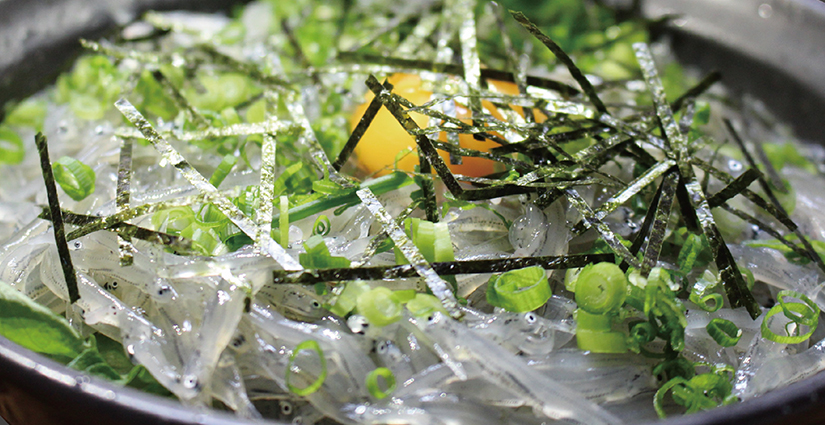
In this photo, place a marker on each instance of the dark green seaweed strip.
(591, 220)
(781, 216)
(308, 277)
(735, 286)
(424, 144)
(708, 80)
(359, 130)
(765, 228)
(775, 180)
(512, 57)
(438, 286)
(245, 68)
(179, 99)
(624, 195)
(57, 218)
(657, 231)
(124, 174)
(126, 250)
(178, 243)
(487, 73)
(670, 129)
(687, 116)
(567, 136)
(647, 223)
(564, 58)
(425, 182)
(452, 149)
(811, 253)
(734, 188)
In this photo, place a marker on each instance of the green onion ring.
(372, 382)
(310, 345)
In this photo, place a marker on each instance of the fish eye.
(382, 347)
(530, 317)
(286, 408)
(78, 245)
(315, 304)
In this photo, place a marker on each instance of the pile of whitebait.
(630, 254)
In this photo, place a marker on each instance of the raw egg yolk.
(385, 138)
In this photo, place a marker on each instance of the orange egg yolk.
(385, 138)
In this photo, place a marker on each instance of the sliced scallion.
(308, 345)
(724, 332)
(373, 386)
(519, 290)
(74, 177)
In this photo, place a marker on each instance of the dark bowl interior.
(772, 49)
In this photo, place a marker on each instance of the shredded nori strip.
(57, 218)
(179, 99)
(126, 250)
(781, 216)
(245, 68)
(734, 188)
(275, 127)
(735, 286)
(439, 287)
(225, 205)
(584, 83)
(180, 244)
(486, 73)
(308, 277)
(811, 253)
(359, 130)
(765, 228)
(592, 220)
(633, 188)
(659, 227)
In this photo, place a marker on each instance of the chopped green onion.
(519, 290)
(594, 333)
(424, 305)
(807, 318)
(724, 332)
(601, 342)
(347, 299)
(74, 177)
(601, 288)
(317, 255)
(379, 306)
(693, 246)
(805, 313)
(308, 345)
(11, 146)
(223, 169)
(593, 322)
(372, 382)
(321, 226)
(405, 295)
(699, 294)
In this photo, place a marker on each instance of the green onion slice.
(308, 345)
(223, 169)
(724, 332)
(601, 288)
(321, 226)
(372, 382)
(805, 313)
(601, 342)
(379, 306)
(519, 290)
(76, 178)
(11, 146)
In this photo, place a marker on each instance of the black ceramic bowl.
(773, 49)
